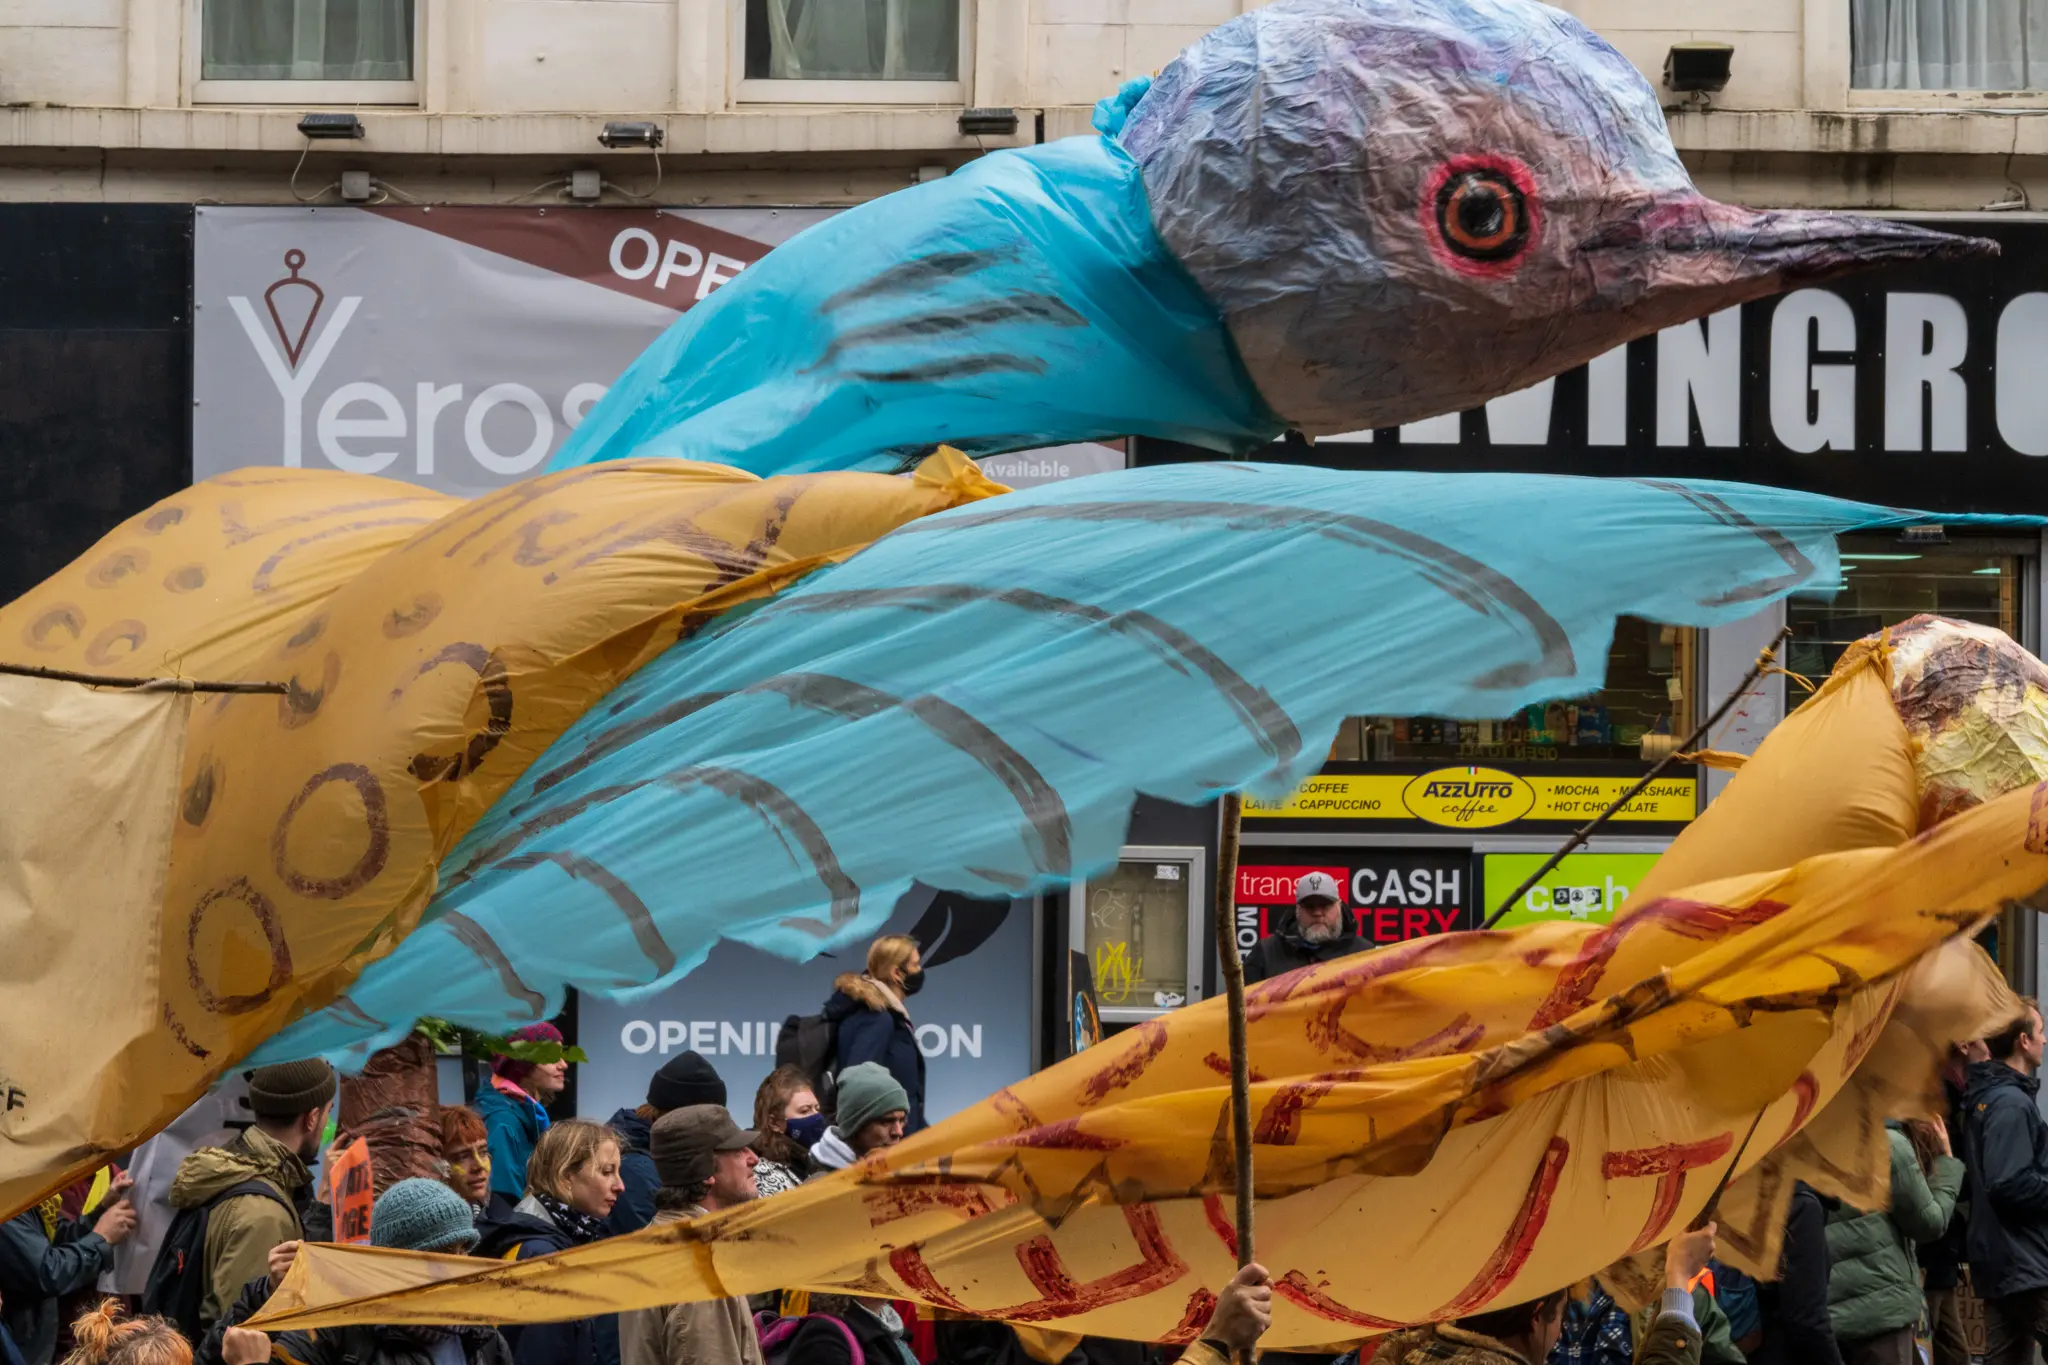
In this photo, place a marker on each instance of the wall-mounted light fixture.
(1697, 70)
(988, 122)
(318, 126)
(630, 135)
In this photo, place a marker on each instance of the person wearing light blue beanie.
(413, 1215)
(422, 1215)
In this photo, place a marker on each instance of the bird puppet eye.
(1481, 213)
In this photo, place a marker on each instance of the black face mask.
(913, 982)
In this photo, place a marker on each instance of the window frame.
(1829, 55)
(749, 90)
(301, 94)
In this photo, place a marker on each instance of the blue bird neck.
(1023, 301)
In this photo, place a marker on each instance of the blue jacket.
(865, 1029)
(521, 1235)
(635, 1209)
(514, 1124)
(2005, 1147)
(37, 1269)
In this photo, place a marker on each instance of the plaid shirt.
(1596, 1332)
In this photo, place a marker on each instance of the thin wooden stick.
(1585, 832)
(142, 684)
(1240, 1062)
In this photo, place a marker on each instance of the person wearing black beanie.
(684, 1080)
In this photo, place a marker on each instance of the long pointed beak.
(1692, 241)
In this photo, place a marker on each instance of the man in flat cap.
(706, 1163)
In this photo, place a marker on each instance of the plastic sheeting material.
(85, 833)
(1389, 209)
(431, 649)
(1441, 1126)
(1925, 719)
(974, 702)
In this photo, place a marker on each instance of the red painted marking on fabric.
(1201, 1307)
(1668, 1162)
(1865, 1038)
(1508, 1258)
(1148, 1040)
(1063, 1136)
(1695, 920)
(893, 1203)
(1295, 1288)
(1219, 1222)
(1805, 1094)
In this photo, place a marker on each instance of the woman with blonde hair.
(571, 1184)
(787, 1117)
(108, 1336)
(871, 1021)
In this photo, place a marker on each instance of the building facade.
(190, 283)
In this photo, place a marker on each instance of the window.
(307, 51)
(853, 50)
(1139, 925)
(1648, 696)
(1884, 583)
(1948, 44)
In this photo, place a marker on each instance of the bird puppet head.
(1406, 207)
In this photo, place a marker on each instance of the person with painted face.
(466, 1151)
(1321, 931)
(788, 1123)
(705, 1163)
(871, 1020)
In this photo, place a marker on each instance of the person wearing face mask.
(788, 1123)
(871, 1022)
(705, 1163)
(513, 1105)
(1320, 932)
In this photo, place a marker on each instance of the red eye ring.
(1479, 214)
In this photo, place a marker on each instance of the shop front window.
(1645, 707)
(1134, 924)
(1885, 582)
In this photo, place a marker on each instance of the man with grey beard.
(1318, 934)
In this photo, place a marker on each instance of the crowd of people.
(1856, 1287)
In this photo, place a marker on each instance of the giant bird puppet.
(719, 674)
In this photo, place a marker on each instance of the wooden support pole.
(1232, 967)
(142, 684)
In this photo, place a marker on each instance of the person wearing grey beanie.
(871, 1109)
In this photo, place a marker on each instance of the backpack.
(778, 1336)
(176, 1288)
(810, 1043)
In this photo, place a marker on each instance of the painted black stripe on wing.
(1040, 803)
(958, 367)
(919, 274)
(785, 818)
(1268, 723)
(637, 916)
(1780, 543)
(1477, 585)
(946, 322)
(478, 941)
(773, 805)
(619, 736)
